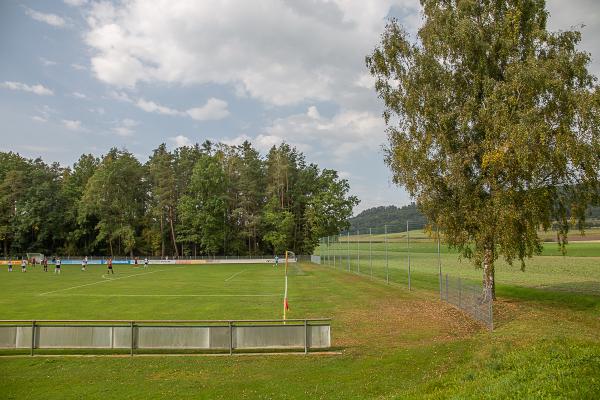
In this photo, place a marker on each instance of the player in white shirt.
(57, 266)
(24, 265)
(145, 262)
(84, 263)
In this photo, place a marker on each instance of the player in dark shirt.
(110, 266)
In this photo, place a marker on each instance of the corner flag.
(286, 305)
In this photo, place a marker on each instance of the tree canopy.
(377, 217)
(212, 200)
(493, 124)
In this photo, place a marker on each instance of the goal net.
(35, 257)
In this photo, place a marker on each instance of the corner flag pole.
(285, 297)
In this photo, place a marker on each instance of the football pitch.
(208, 291)
(387, 342)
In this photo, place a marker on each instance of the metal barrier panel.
(23, 337)
(121, 337)
(173, 337)
(319, 336)
(8, 337)
(233, 335)
(286, 336)
(77, 337)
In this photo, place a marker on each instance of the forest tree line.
(396, 218)
(209, 199)
(377, 217)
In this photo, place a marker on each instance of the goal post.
(38, 257)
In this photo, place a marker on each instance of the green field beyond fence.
(388, 257)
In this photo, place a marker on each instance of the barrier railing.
(208, 335)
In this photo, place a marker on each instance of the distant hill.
(377, 217)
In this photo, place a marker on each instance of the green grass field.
(577, 271)
(393, 343)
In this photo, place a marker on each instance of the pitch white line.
(163, 295)
(234, 275)
(95, 283)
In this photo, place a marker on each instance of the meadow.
(388, 342)
(578, 270)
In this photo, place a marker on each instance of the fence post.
(370, 255)
(446, 287)
(358, 248)
(230, 338)
(439, 261)
(408, 252)
(348, 246)
(387, 271)
(32, 337)
(305, 337)
(132, 338)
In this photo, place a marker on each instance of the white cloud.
(313, 112)
(342, 136)
(180, 141)
(346, 133)
(152, 107)
(98, 110)
(38, 89)
(366, 81)
(214, 109)
(120, 96)
(37, 118)
(79, 95)
(75, 3)
(47, 63)
(50, 19)
(280, 52)
(73, 125)
(125, 127)
(78, 67)
(261, 142)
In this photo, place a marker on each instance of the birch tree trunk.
(173, 232)
(489, 282)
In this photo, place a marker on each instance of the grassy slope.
(395, 344)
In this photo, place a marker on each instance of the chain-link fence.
(470, 298)
(410, 254)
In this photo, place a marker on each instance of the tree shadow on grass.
(577, 296)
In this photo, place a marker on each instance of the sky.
(82, 76)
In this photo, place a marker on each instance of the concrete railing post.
(230, 338)
(305, 337)
(132, 337)
(32, 336)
